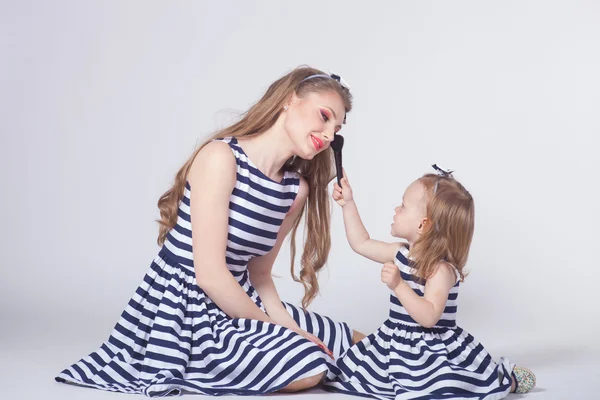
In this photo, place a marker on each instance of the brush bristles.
(338, 143)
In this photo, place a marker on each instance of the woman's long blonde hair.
(451, 222)
(318, 172)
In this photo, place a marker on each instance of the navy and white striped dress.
(172, 338)
(403, 360)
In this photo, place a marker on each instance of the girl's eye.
(324, 116)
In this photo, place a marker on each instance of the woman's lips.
(317, 142)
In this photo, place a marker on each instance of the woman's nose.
(328, 136)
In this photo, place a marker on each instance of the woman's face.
(311, 121)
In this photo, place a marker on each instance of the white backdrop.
(102, 101)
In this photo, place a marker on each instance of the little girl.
(420, 352)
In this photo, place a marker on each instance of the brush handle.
(337, 155)
(336, 145)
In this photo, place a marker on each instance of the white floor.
(28, 365)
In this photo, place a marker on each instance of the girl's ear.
(424, 226)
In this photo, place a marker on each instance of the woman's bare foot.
(357, 336)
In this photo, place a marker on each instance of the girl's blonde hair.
(318, 172)
(451, 222)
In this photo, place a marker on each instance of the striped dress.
(172, 338)
(403, 360)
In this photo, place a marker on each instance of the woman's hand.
(315, 340)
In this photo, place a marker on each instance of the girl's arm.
(359, 239)
(426, 310)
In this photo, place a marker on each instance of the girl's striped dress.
(403, 360)
(172, 338)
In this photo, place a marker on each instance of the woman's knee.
(304, 383)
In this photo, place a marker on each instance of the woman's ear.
(293, 100)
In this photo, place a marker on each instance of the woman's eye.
(325, 117)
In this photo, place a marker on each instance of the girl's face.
(410, 216)
(312, 121)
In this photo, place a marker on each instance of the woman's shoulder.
(215, 158)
